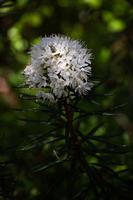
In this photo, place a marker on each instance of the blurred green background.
(107, 29)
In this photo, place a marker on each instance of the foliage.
(35, 161)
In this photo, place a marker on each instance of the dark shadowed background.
(107, 29)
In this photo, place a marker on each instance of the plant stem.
(75, 147)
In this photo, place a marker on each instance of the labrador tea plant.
(59, 81)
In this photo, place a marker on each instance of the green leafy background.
(106, 27)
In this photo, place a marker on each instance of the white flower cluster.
(59, 65)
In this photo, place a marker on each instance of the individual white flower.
(46, 96)
(58, 65)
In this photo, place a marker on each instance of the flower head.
(59, 65)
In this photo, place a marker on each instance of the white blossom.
(58, 65)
